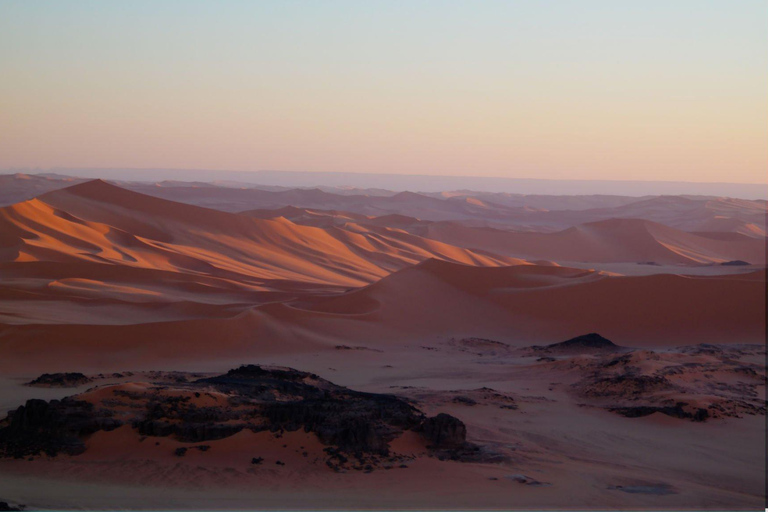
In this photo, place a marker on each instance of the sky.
(652, 90)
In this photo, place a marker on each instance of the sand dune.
(102, 223)
(609, 241)
(96, 255)
(693, 213)
(526, 304)
(436, 300)
(144, 278)
(541, 213)
(146, 345)
(508, 211)
(413, 205)
(15, 188)
(544, 202)
(309, 217)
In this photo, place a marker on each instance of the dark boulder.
(591, 341)
(735, 263)
(444, 432)
(353, 421)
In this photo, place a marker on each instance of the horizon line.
(54, 170)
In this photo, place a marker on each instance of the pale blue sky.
(587, 89)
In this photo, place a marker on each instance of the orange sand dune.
(413, 204)
(98, 254)
(95, 275)
(605, 241)
(309, 217)
(102, 223)
(328, 206)
(422, 305)
(529, 304)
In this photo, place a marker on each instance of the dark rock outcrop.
(625, 386)
(51, 427)
(250, 397)
(679, 410)
(586, 343)
(60, 380)
(444, 432)
(353, 421)
(698, 382)
(480, 346)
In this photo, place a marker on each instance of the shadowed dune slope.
(608, 241)
(18, 187)
(436, 300)
(148, 345)
(526, 304)
(692, 213)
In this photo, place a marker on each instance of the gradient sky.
(652, 90)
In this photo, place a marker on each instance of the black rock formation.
(257, 399)
(444, 432)
(51, 427)
(676, 411)
(350, 420)
(60, 380)
(625, 385)
(734, 263)
(591, 342)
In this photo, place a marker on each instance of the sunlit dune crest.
(98, 222)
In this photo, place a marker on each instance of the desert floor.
(573, 457)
